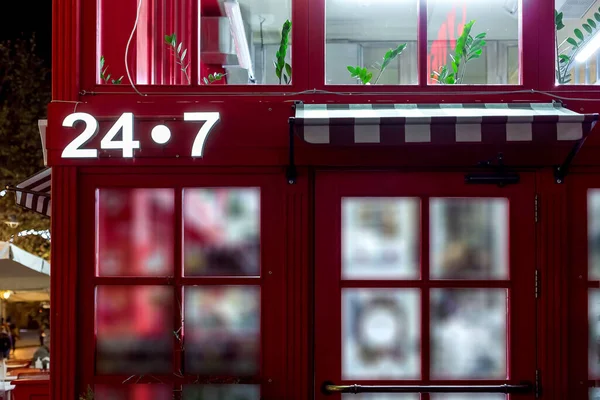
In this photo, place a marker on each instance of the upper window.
(577, 42)
(468, 42)
(192, 42)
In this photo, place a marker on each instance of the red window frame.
(272, 277)
(332, 186)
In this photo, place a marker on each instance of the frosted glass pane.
(221, 392)
(222, 330)
(594, 234)
(134, 329)
(594, 333)
(133, 392)
(380, 334)
(468, 333)
(594, 394)
(135, 232)
(221, 232)
(380, 238)
(469, 238)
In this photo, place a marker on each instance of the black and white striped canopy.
(393, 124)
(34, 193)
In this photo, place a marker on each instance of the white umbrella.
(22, 271)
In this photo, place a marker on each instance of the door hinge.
(537, 284)
(536, 208)
(538, 383)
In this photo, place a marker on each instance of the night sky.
(24, 17)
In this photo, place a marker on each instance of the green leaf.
(564, 58)
(179, 47)
(391, 54)
(351, 69)
(288, 69)
(587, 28)
(578, 33)
(184, 54)
(286, 79)
(592, 23)
(101, 62)
(450, 79)
(168, 39)
(572, 41)
(454, 67)
(560, 26)
(205, 81)
(481, 35)
(597, 16)
(108, 77)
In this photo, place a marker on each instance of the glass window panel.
(221, 392)
(134, 333)
(468, 333)
(594, 393)
(489, 60)
(236, 45)
(221, 232)
(380, 238)
(594, 234)
(578, 64)
(135, 232)
(380, 334)
(469, 238)
(222, 330)
(360, 32)
(380, 396)
(467, 396)
(594, 333)
(133, 392)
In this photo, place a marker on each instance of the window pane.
(380, 334)
(221, 392)
(380, 238)
(594, 394)
(135, 232)
(468, 333)
(221, 232)
(222, 330)
(133, 392)
(467, 396)
(134, 333)
(594, 333)
(594, 234)
(482, 62)
(578, 64)
(380, 396)
(360, 32)
(469, 238)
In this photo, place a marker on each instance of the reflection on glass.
(134, 329)
(594, 333)
(221, 231)
(485, 62)
(467, 396)
(360, 32)
(469, 238)
(579, 65)
(468, 333)
(133, 392)
(380, 334)
(380, 396)
(221, 392)
(135, 232)
(222, 330)
(380, 238)
(594, 234)
(594, 393)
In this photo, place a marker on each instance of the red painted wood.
(31, 389)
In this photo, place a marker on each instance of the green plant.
(104, 71)
(363, 74)
(563, 60)
(283, 70)
(467, 48)
(89, 395)
(179, 52)
(213, 78)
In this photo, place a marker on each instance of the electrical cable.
(137, 17)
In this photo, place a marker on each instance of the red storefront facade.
(236, 250)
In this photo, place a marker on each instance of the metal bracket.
(291, 172)
(500, 177)
(561, 171)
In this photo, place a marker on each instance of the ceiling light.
(6, 294)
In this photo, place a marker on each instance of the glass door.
(424, 286)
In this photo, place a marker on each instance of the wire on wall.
(137, 17)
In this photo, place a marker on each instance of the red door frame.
(332, 186)
(272, 279)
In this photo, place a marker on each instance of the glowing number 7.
(210, 118)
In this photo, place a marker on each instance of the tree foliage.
(24, 95)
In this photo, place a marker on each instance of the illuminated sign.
(160, 134)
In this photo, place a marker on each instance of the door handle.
(521, 388)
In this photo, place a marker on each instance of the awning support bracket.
(561, 171)
(291, 172)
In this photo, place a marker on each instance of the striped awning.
(34, 193)
(395, 124)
